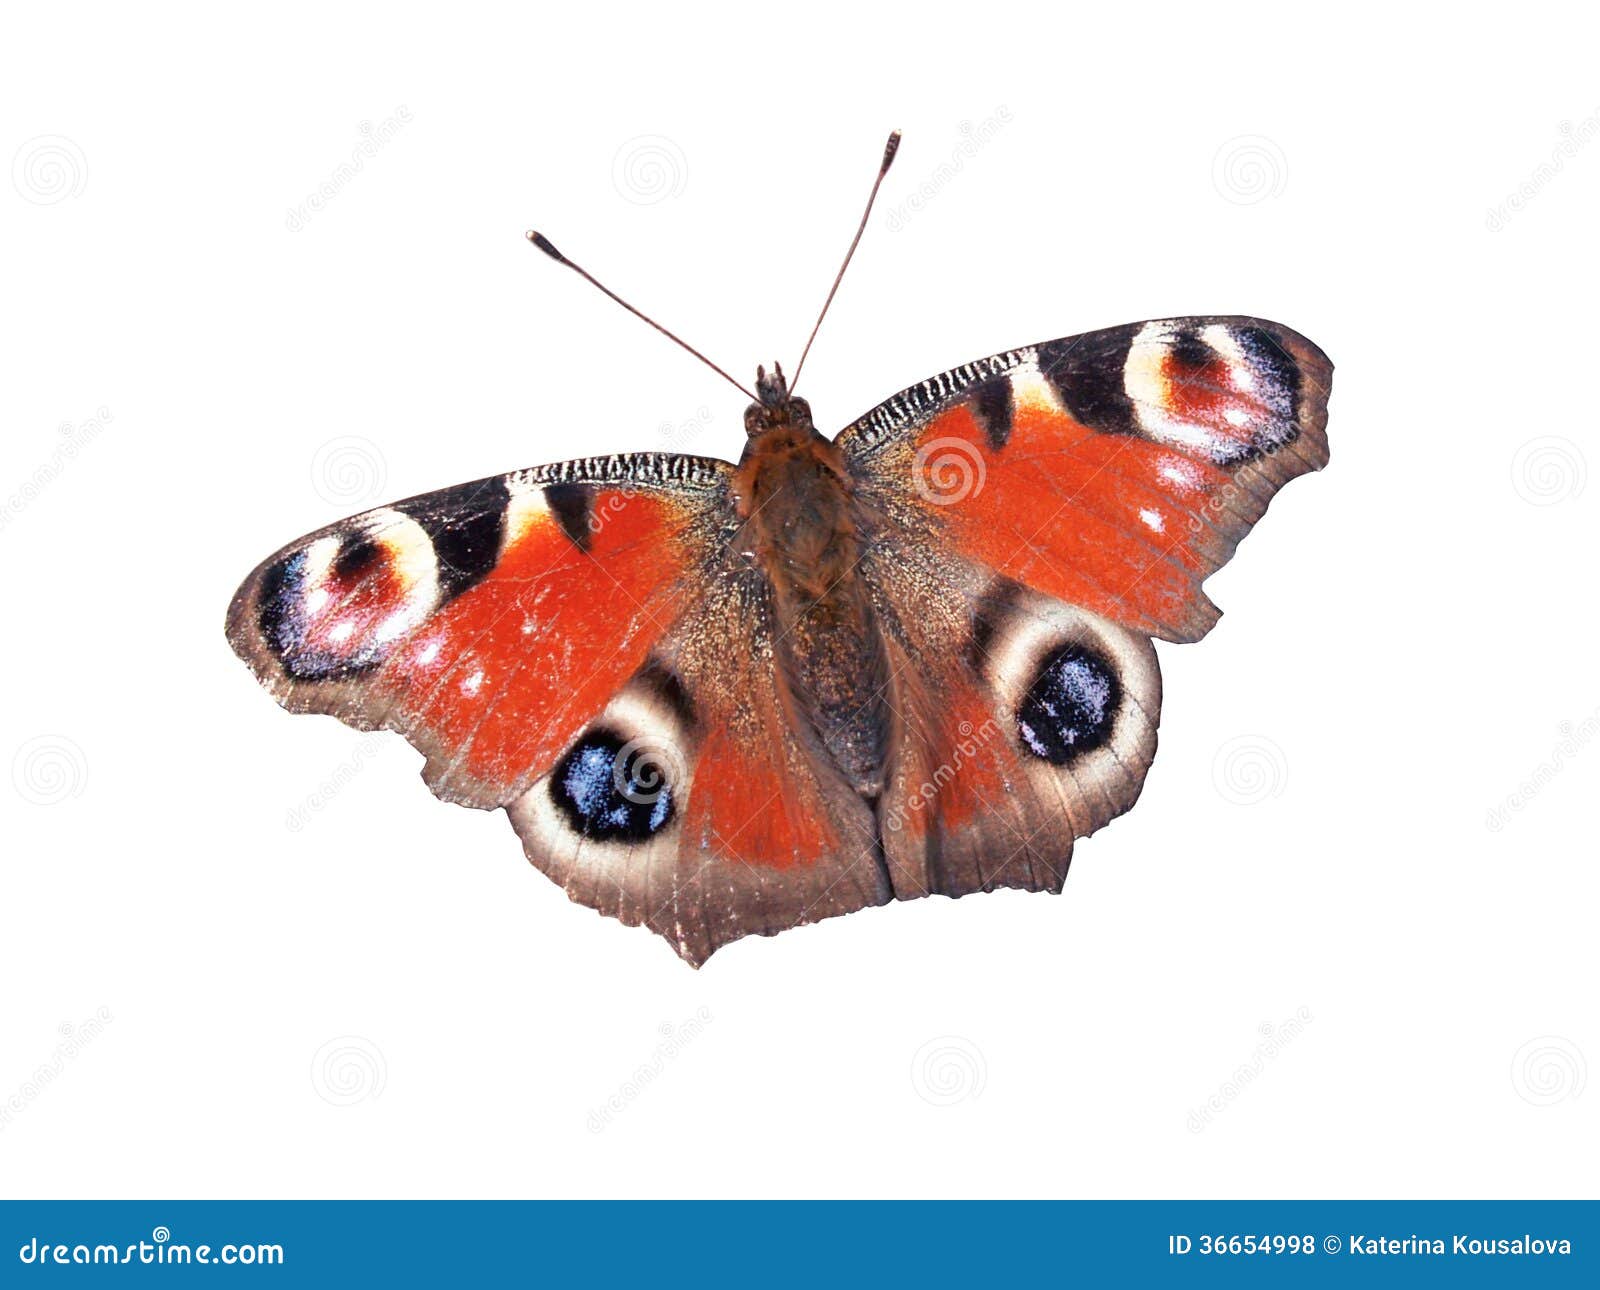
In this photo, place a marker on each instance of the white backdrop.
(1344, 944)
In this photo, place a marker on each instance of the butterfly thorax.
(792, 491)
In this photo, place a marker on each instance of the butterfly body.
(792, 492)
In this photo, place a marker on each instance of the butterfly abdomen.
(792, 492)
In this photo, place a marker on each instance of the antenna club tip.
(545, 245)
(889, 149)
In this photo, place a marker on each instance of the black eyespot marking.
(994, 405)
(659, 681)
(1071, 706)
(1282, 374)
(281, 617)
(997, 604)
(357, 556)
(466, 526)
(570, 504)
(1086, 373)
(614, 790)
(1189, 351)
(277, 601)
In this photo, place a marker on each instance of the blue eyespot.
(1071, 706)
(613, 790)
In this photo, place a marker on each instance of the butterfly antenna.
(889, 149)
(548, 247)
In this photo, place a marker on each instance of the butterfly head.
(774, 407)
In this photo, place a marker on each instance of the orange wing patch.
(464, 678)
(1115, 470)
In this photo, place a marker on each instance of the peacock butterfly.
(915, 658)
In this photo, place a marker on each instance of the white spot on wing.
(525, 509)
(1030, 389)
